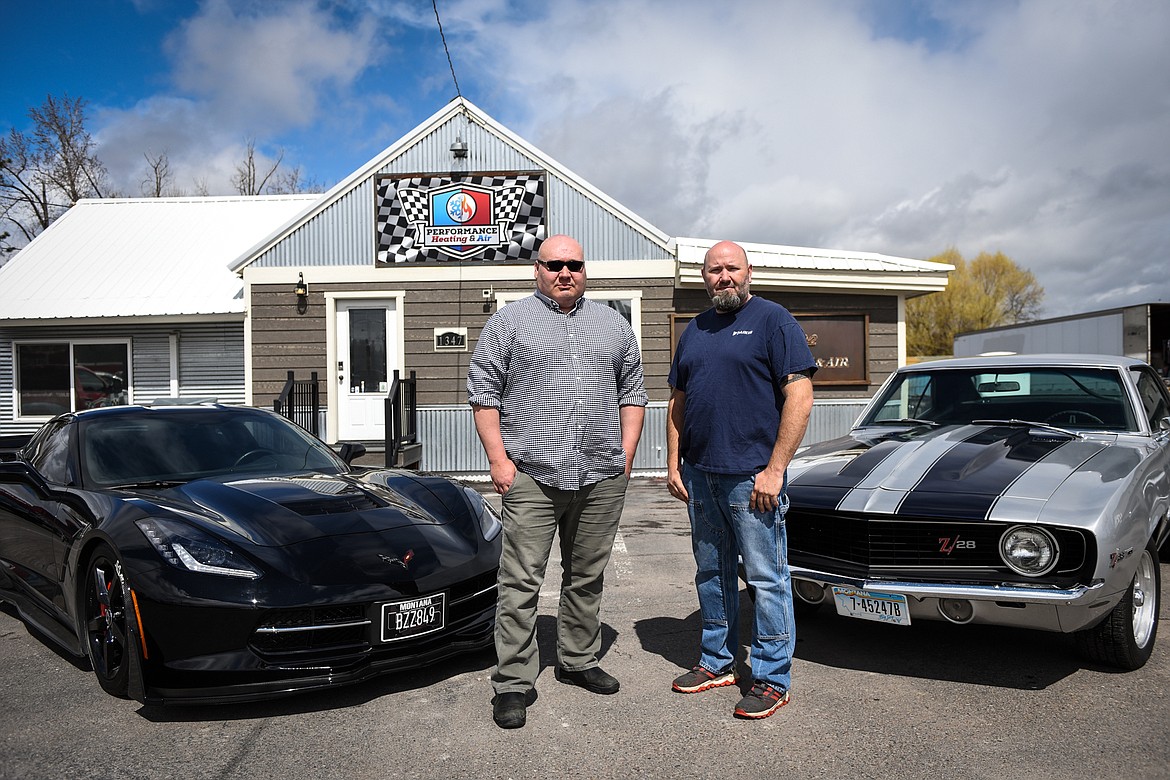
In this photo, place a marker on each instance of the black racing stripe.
(824, 485)
(967, 480)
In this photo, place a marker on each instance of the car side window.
(1155, 401)
(49, 453)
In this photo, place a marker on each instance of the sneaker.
(700, 679)
(761, 701)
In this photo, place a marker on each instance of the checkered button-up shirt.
(558, 380)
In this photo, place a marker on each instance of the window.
(1153, 394)
(627, 303)
(52, 378)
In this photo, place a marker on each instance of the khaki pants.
(586, 521)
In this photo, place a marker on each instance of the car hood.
(277, 511)
(966, 471)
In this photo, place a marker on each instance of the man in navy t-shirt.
(740, 401)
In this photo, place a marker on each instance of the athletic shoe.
(761, 701)
(700, 679)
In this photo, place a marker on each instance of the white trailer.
(1141, 331)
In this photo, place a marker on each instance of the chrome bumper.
(929, 590)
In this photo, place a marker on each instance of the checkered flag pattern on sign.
(414, 204)
(520, 203)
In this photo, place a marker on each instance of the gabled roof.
(775, 265)
(409, 141)
(140, 257)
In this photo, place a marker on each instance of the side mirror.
(17, 472)
(351, 450)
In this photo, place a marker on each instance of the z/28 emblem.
(947, 544)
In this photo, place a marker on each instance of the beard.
(730, 298)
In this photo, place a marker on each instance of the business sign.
(839, 344)
(478, 217)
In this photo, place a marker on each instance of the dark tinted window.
(49, 452)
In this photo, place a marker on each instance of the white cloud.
(1037, 128)
(1034, 128)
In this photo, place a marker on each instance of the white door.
(367, 354)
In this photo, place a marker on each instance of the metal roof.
(141, 257)
(425, 148)
(776, 265)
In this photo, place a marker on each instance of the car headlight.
(490, 523)
(1029, 550)
(186, 547)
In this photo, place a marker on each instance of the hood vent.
(353, 502)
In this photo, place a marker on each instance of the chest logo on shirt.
(742, 333)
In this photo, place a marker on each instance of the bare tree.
(45, 172)
(247, 179)
(159, 181)
(292, 181)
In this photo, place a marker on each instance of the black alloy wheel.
(109, 642)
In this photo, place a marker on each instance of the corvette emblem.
(403, 561)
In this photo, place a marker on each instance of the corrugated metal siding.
(451, 446)
(343, 234)
(151, 367)
(7, 385)
(211, 363)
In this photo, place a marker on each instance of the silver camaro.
(1025, 490)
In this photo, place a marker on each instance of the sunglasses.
(555, 266)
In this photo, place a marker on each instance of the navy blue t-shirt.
(730, 366)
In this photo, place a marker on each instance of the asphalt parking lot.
(869, 701)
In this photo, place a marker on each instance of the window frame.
(504, 297)
(71, 343)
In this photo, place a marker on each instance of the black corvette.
(212, 554)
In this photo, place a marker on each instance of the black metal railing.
(401, 419)
(300, 401)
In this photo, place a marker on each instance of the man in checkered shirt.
(556, 386)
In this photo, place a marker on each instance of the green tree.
(987, 292)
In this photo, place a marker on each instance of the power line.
(435, 5)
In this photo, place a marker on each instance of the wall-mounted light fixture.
(302, 293)
(459, 148)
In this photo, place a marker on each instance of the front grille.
(336, 632)
(327, 628)
(929, 548)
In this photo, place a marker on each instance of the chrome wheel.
(1145, 600)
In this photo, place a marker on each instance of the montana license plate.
(409, 618)
(872, 605)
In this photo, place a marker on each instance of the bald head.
(728, 275)
(561, 247)
(560, 282)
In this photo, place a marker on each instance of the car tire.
(1125, 638)
(109, 643)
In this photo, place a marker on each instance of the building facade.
(396, 269)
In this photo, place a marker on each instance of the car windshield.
(165, 446)
(1073, 398)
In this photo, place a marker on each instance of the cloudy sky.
(1039, 128)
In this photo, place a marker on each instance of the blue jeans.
(724, 528)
